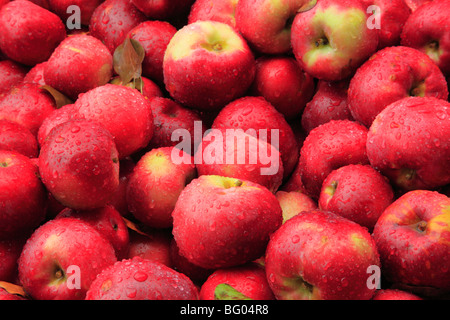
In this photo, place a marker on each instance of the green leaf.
(226, 292)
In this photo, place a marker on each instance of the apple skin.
(123, 111)
(11, 74)
(112, 20)
(80, 63)
(27, 105)
(237, 162)
(108, 222)
(36, 74)
(154, 36)
(219, 10)
(15, 137)
(52, 249)
(415, 4)
(5, 295)
(164, 9)
(79, 165)
(29, 33)
(232, 231)
(181, 264)
(141, 279)
(294, 202)
(87, 8)
(412, 156)
(207, 65)
(393, 15)
(58, 116)
(394, 294)
(249, 280)
(328, 103)
(412, 236)
(119, 201)
(265, 24)
(155, 185)
(329, 146)
(356, 192)
(23, 197)
(257, 113)
(168, 116)
(152, 245)
(281, 81)
(332, 40)
(427, 30)
(9, 253)
(392, 74)
(318, 255)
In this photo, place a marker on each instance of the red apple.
(318, 255)
(427, 30)
(9, 253)
(154, 36)
(169, 117)
(80, 63)
(409, 143)
(244, 282)
(219, 10)
(15, 137)
(180, 263)
(27, 105)
(11, 74)
(112, 20)
(412, 236)
(281, 81)
(237, 154)
(108, 222)
(28, 32)
(152, 245)
(58, 116)
(294, 202)
(394, 294)
(123, 111)
(36, 74)
(415, 4)
(256, 113)
(332, 40)
(358, 193)
(328, 103)
(23, 197)
(207, 64)
(331, 145)
(141, 279)
(62, 258)
(389, 16)
(163, 9)
(155, 185)
(221, 222)
(79, 165)
(119, 201)
(87, 7)
(266, 24)
(389, 75)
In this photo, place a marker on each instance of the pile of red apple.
(105, 132)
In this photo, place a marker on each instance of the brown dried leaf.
(60, 99)
(127, 59)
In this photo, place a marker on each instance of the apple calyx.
(406, 176)
(421, 226)
(58, 275)
(321, 42)
(301, 289)
(226, 292)
(432, 50)
(418, 90)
